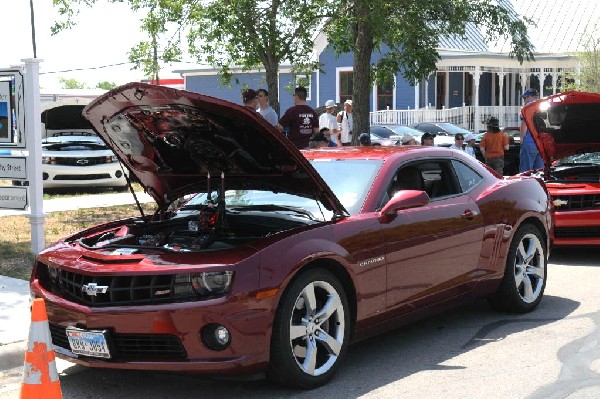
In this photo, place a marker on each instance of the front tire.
(311, 331)
(524, 279)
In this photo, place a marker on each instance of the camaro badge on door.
(560, 202)
(369, 262)
(94, 289)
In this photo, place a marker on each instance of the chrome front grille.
(577, 202)
(115, 290)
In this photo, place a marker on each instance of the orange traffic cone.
(40, 377)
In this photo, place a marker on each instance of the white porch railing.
(462, 116)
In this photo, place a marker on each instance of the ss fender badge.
(372, 261)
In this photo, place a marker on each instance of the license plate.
(88, 342)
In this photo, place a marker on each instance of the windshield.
(450, 128)
(349, 179)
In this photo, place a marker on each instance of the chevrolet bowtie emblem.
(94, 289)
(559, 202)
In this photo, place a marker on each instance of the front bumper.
(102, 175)
(148, 330)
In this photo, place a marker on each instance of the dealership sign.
(12, 168)
(13, 197)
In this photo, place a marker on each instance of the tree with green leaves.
(406, 32)
(106, 85)
(587, 75)
(226, 34)
(71, 84)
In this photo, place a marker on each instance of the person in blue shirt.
(529, 155)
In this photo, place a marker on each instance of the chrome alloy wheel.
(529, 268)
(317, 328)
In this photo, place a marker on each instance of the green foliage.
(230, 35)
(406, 34)
(71, 84)
(106, 85)
(587, 77)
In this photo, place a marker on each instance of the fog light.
(45, 176)
(216, 337)
(118, 174)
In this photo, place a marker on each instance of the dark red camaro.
(261, 258)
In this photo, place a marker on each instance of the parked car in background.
(281, 257)
(566, 130)
(73, 155)
(440, 128)
(382, 135)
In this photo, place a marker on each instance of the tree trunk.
(361, 74)
(272, 86)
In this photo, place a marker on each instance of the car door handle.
(468, 214)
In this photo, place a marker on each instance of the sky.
(103, 36)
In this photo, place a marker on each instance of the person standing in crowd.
(408, 139)
(265, 109)
(529, 155)
(459, 140)
(330, 140)
(470, 147)
(250, 99)
(427, 139)
(344, 120)
(319, 140)
(300, 120)
(493, 145)
(364, 140)
(328, 120)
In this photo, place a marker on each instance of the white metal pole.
(33, 133)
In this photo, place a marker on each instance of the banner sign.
(13, 168)
(13, 197)
(6, 112)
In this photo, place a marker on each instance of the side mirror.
(403, 199)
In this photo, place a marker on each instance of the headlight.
(212, 283)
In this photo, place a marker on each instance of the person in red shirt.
(493, 145)
(300, 121)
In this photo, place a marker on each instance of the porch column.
(541, 79)
(417, 87)
(554, 80)
(501, 76)
(476, 122)
(523, 77)
(427, 92)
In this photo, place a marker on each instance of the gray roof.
(558, 26)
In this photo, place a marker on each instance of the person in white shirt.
(328, 120)
(470, 148)
(459, 139)
(344, 119)
(265, 109)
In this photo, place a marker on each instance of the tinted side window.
(467, 177)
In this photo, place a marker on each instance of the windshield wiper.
(268, 208)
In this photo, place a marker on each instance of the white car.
(72, 154)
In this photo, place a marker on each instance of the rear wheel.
(524, 279)
(311, 331)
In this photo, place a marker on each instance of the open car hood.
(65, 115)
(564, 124)
(171, 139)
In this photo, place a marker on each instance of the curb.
(12, 355)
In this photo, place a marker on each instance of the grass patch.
(16, 258)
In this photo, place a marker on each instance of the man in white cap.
(344, 119)
(327, 120)
(470, 144)
(409, 139)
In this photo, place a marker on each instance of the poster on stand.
(5, 112)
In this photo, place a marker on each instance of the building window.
(345, 85)
(304, 81)
(385, 96)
